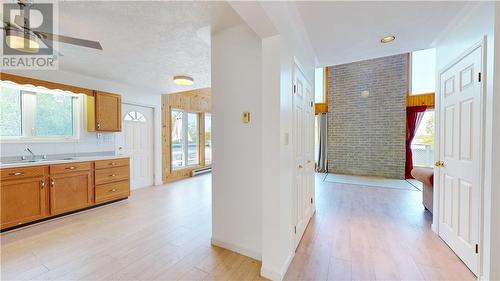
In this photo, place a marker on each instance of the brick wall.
(366, 136)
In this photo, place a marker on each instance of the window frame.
(185, 140)
(207, 163)
(28, 115)
(410, 76)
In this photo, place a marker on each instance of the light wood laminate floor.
(160, 233)
(163, 233)
(372, 233)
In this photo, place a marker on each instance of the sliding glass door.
(185, 139)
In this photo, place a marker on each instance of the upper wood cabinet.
(23, 195)
(104, 112)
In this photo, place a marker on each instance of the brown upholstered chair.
(426, 176)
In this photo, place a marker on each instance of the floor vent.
(201, 171)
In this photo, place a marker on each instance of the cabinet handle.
(112, 164)
(113, 190)
(42, 184)
(16, 174)
(98, 125)
(52, 182)
(70, 168)
(112, 175)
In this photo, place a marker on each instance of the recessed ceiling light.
(388, 39)
(183, 80)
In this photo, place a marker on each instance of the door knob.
(439, 164)
(300, 167)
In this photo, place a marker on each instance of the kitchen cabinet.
(112, 179)
(33, 193)
(23, 194)
(71, 187)
(104, 112)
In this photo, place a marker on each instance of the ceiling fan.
(21, 37)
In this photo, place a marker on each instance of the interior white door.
(309, 150)
(460, 151)
(302, 132)
(136, 141)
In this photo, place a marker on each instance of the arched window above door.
(135, 116)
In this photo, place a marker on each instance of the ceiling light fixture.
(183, 80)
(388, 39)
(20, 41)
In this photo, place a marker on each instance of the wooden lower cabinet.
(70, 191)
(23, 200)
(29, 194)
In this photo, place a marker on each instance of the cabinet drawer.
(22, 172)
(111, 175)
(110, 163)
(70, 167)
(111, 191)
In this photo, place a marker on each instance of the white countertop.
(69, 159)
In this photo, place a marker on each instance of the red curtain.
(414, 115)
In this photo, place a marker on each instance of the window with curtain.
(36, 114)
(422, 146)
(423, 72)
(184, 138)
(208, 139)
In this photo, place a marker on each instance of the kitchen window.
(33, 114)
(185, 139)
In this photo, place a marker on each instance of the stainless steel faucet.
(33, 156)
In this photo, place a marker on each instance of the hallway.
(371, 233)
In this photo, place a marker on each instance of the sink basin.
(15, 162)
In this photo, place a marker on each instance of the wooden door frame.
(437, 141)
(153, 135)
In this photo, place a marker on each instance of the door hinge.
(311, 200)
(294, 89)
(295, 229)
(311, 104)
(477, 248)
(479, 77)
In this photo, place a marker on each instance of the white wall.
(280, 47)
(237, 147)
(89, 141)
(477, 21)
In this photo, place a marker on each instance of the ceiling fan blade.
(69, 40)
(49, 45)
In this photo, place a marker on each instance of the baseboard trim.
(237, 249)
(274, 275)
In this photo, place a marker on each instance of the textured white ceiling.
(145, 43)
(342, 32)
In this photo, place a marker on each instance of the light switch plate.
(245, 117)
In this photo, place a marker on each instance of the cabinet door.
(70, 191)
(108, 110)
(22, 200)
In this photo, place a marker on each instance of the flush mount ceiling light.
(388, 39)
(20, 41)
(365, 94)
(183, 80)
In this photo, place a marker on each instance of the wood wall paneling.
(191, 101)
(417, 100)
(46, 84)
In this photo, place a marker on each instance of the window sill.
(41, 140)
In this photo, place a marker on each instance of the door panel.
(22, 201)
(70, 191)
(460, 149)
(303, 151)
(136, 141)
